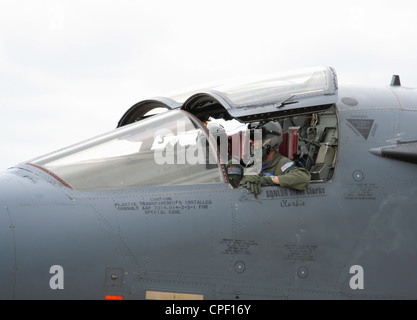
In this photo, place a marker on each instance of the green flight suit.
(289, 174)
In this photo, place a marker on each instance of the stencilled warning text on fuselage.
(297, 252)
(164, 205)
(238, 246)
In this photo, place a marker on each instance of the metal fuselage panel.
(378, 194)
(7, 254)
(169, 238)
(48, 228)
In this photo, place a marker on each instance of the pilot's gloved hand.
(252, 182)
(267, 181)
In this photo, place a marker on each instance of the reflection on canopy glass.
(166, 149)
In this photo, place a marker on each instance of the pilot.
(276, 169)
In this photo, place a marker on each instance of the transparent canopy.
(305, 82)
(251, 92)
(166, 149)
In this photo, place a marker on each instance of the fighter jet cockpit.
(179, 140)
(302, 102)
(310, 139)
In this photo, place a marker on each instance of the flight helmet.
(271, 135)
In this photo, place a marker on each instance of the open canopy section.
(254, 99)
(288, 93)
(167, 149)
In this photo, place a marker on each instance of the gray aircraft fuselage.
(350, 237)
